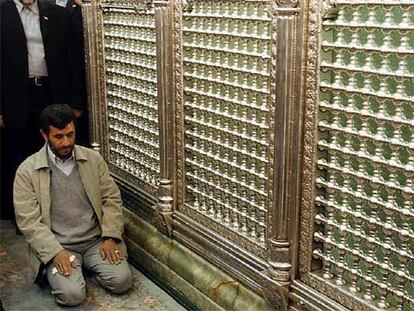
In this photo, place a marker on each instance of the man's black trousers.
(17, 143)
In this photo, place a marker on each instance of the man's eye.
(58, 136)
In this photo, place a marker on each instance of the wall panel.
(274, 138)
(226, 62)
(130, 69)
(362, 211)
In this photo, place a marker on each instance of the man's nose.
(66, 141)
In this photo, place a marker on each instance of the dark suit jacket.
(79, 86)
(58, 43)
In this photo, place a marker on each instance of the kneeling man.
(69, 209)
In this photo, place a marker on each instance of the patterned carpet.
(19, 293)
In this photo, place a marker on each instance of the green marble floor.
(19, 293)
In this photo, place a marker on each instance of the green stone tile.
(188, 273)
(165, 275)
(249, 301)
(182, 264)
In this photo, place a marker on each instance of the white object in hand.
(71, 259)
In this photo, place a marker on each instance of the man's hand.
(63, 264)
(111, 251)
(1, 121)
(78, 2)
(77, 113)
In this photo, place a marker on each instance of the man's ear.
(44, 135)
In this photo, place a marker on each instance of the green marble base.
(202, 285)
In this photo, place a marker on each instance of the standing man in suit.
(36, 71)
(74, 8)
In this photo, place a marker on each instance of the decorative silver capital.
(165, 205)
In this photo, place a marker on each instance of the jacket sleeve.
(29, 217)
(112, 217)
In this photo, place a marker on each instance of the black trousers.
(17, 143)
(82, 130)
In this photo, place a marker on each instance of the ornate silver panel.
(275, 135)
(363, 197)
(226, 61)
(129, 40)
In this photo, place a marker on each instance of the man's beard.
(62, 154)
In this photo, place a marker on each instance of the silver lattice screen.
(226, 53)
(365, 190)
(275, 138)
(131, 75)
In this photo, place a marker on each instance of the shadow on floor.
(19, 293)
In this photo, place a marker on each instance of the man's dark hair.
(58, 116)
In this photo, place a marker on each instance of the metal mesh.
(130, 60)
(365, 190)
(226, 88)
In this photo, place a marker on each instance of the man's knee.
(72, 295)
(119, 282)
